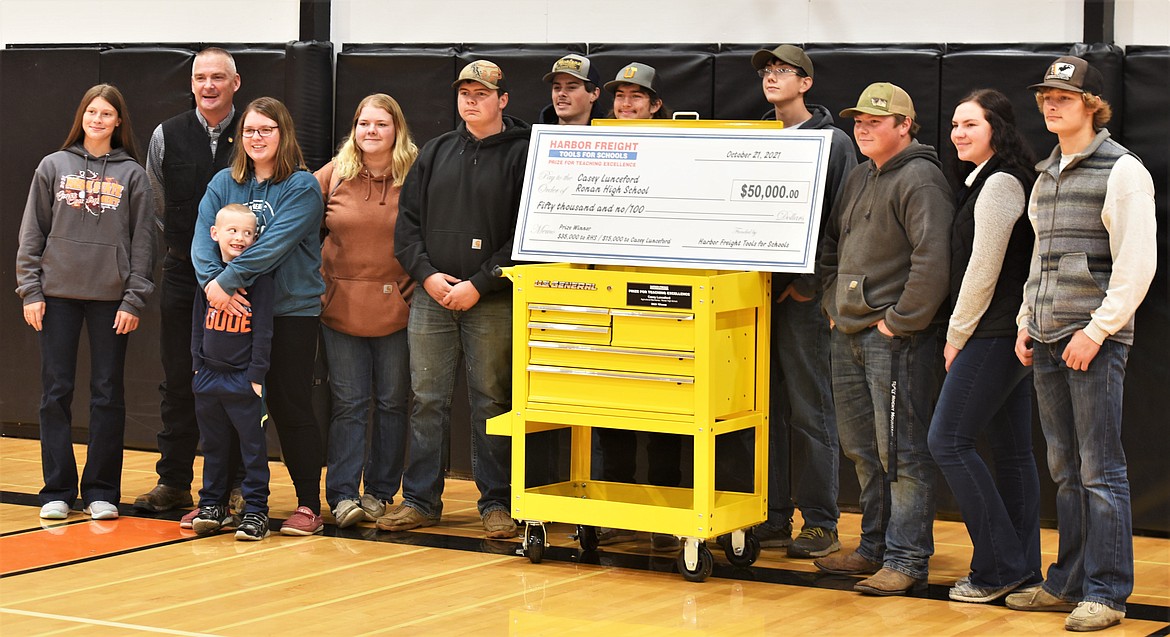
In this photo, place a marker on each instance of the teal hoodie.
(88, 230)
(288, 216)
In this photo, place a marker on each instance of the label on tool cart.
(657, 295)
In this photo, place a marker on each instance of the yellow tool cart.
(646, 349)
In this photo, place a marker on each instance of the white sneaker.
(55, 510)
(101, 510)
(1090, 616)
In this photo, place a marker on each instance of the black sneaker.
(774, 537)
(213, 518)
(253, 528)
(814, 541)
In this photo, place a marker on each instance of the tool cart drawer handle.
(568, 308)
(567, 327)
(681, 380)
(653, 315)
(610, 350)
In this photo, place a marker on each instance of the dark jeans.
(179, 438)
(988, 391)
(897, 516)
(229, 413)
(802, 381)
(288, 394)
(60, 337)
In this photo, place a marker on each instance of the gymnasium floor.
(143, 575)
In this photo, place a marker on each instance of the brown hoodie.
(367, 291)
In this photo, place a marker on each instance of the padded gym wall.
(42, 87)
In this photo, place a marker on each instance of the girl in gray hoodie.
(86, 256)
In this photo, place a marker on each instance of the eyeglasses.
(267, 131)
(777, 71)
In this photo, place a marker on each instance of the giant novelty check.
(700, 198)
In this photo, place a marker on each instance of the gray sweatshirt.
(87, 231)
(886, 252)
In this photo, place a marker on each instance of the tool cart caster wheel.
(534, 536)
(751, 550)
(703, 565)
(587, 536)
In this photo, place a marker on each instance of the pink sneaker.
(188, 520)
(302, 522)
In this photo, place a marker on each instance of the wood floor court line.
(449, 580)
(98, 622)
(365, 593)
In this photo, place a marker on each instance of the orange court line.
(93, 538)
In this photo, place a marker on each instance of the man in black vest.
(185, 152)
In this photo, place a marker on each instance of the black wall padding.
(156, 83)
(42, 88)
(418, 77)
(738, 91)
(308, 92)
(1147, 402)
(686, 72)
(42, 85)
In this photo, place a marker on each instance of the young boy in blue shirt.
(230, 356)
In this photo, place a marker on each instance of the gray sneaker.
(211, 519)
(253, 528)
(348, 513)
(373, 507)
(101, 510)
(814, 541)
(965, 591)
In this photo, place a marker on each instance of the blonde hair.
(1102, 111)
(289, 158)
(349, 162)
(235, 209)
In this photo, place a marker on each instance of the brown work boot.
(851, 563)
(163, 498)
(887, 582)
(498, 525)
(404, 518)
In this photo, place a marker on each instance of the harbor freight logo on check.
(614, 150)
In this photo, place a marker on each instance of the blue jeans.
(1080, 413)
(365, 371)
(60, 336)
(988, 390)
(437, 336)
(896, 516)
(801, 378)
